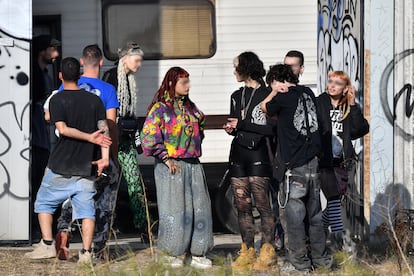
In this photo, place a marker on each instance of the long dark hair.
(168, 86)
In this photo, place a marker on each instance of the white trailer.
(202, 36)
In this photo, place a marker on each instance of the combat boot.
(246, 258)
(266, 259)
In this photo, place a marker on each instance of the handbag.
(248, 139)
(129, 125)
(278, 166)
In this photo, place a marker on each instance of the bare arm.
(97, 137)
(277, 87)
(104, 161)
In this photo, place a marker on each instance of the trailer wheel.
(224, 206)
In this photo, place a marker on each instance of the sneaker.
(246, 258)
(85, 257)
(200, 262)
(42, 251)
(62, 245)
(266, 259)
(174, 262)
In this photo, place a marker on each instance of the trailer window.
(164, 29)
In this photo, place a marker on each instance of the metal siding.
(269, 29)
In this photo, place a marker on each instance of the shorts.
(56, 188)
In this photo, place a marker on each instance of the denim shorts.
(56, 188)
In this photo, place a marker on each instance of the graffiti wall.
(382, 69)
(339, 40)
(15, 38)
(340, 30)
(392, 55)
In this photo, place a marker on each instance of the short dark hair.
(70, 68)
(42, 42)
(92, 55)
(297, 54)
(250, 66)
(282, 73)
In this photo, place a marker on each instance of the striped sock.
(335, 215)
(325, 219)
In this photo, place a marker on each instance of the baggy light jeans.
(303, 216)
(184, 208)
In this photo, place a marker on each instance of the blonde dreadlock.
(127, 96)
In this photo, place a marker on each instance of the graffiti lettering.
(406, 89)
(14, 130)
(408, 106)
(338, 40)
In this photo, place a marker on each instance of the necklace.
(244, 107)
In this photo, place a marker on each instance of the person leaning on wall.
(341, 121)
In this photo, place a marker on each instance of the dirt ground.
(139, 261)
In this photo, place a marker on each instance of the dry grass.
(140, 262)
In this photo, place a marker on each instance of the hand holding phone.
(230, 125)
(350, 93)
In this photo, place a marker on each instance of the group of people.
(285, 136)
(279, 123)
(77, 126)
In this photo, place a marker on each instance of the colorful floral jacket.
(173, 133)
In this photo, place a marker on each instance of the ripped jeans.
(304, 217)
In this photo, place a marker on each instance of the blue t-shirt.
(104, 90)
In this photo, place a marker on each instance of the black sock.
(83, 251)
(48, 242)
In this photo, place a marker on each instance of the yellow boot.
(267, 258)
(246, 258)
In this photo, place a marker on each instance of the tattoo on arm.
(103, 125)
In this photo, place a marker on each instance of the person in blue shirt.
(105, 198)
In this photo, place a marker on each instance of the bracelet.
(165, 159)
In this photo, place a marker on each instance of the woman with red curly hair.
(172, 133)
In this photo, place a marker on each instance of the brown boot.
(245, 260)
(267, 258)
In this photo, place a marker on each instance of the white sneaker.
(174, 262)
(42, 251)
(201, 262)
(85, 258)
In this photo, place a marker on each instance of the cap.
(42, 42)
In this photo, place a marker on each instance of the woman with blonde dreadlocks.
(341, 121)
(122, 77)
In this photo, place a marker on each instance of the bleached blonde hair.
(127, 86)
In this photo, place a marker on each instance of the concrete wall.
(392, 123)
